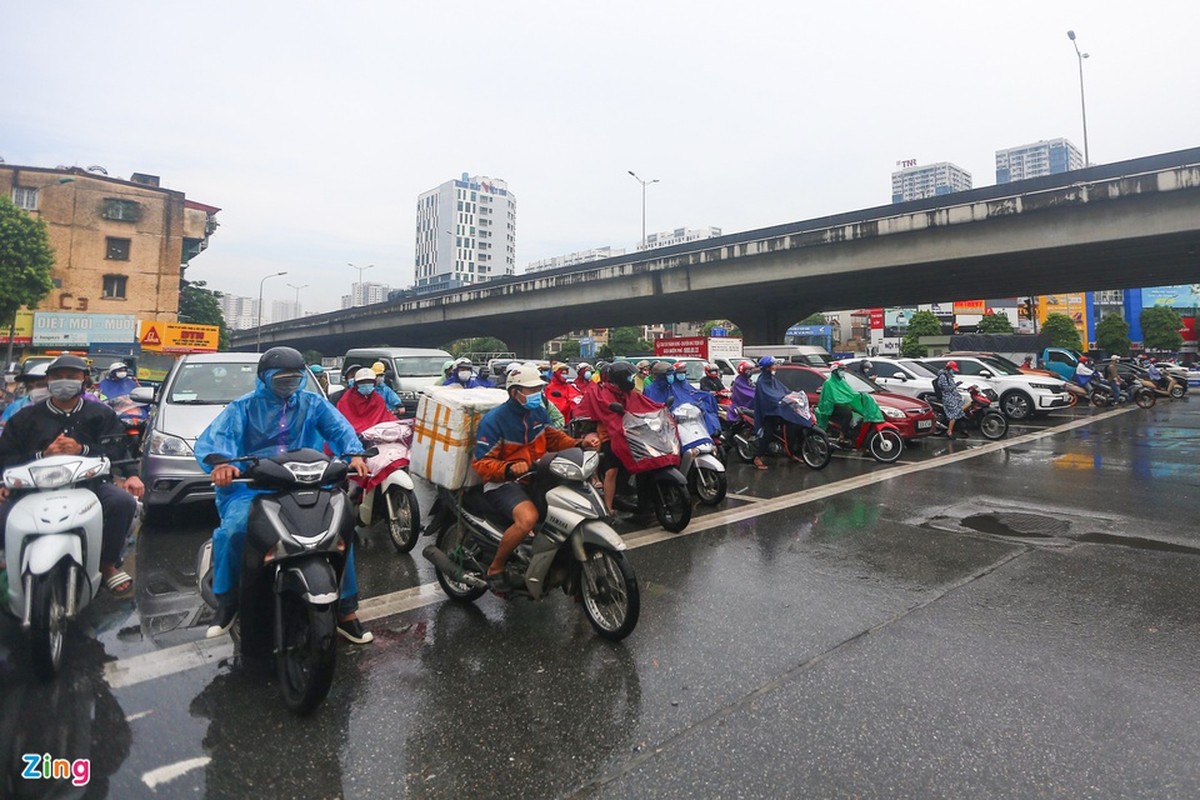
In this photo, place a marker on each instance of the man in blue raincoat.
(118, 382)
(275, 418)
(668, 383)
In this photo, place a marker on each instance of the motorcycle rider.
(741, 393)
(276, 417)
(33, 378)
(118, 382)
(583, 377)
(839, 401)
(945, 386)
(1113, 378)
(389, 395)
(562, 393)
(510, 439)
(711, 382)
(321, 375)
(617, 386)
(643, 375)
(463, 374)
(768, 393)
(65, 424)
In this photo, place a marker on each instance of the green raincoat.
(836, 392)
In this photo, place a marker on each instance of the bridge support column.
(767, 325)
(528, 342)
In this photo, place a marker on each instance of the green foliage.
(923, 323)
(25, 260)
(476, 344)
(995, 323)
(627, 341)
(569, 349)
(312, 357)
(1062, 331)
(201, 306)
(1160, 328)
(813, 319)
(1112, 334)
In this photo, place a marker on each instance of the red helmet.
(743, 367)
(953, 365)
(1083, 359)
(711, 370)
(679, 366)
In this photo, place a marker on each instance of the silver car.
(197, 389)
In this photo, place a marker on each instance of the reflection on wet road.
(957, 624)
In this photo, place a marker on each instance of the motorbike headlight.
(162, 444)
(51, 477)
(892, 413)
(565, 469)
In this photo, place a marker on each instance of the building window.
(114, 287)
(122, 210)
(25, 197)
(116, 249)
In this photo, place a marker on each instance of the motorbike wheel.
(674, 507)
(403, 518)
(450, 542)
(1145, 399)
(1099, 400)
(48, 623)
(709, 485)
(994, 426)
(746, 446)
(613, 607)
(815, 449)
(1177, 391)
(886, 446)
(305, 665)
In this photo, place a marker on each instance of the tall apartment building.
(930, 180)
(284, 310)
(678, 236)
(466, 233)
(1031, 160)
(364, 294)
(573, 259)
(120, 246)
(240, 313)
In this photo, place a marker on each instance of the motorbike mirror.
(616, 407)
(212, 459)
(670, 401)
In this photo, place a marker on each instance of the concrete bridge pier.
(768, 324)
(526, 342)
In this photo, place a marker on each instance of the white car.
(1021, 395)
(905, 376)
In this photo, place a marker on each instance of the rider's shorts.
(504, 498)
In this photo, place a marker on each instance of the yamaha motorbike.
(572, 547)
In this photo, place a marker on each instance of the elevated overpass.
(1124, 225)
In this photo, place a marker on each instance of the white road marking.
(168, 661)
(744, 497)
(138, 715)
(172, 771)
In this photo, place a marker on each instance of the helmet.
(952, 365)
(679, 366)
(316, 369)
(766, 362)
(560, 367)
(34, 372)
(378, 368)
(1114, 357)
(279, 358)
(1083, 359)
(463, 362)
(67, 361)
(602, 368)
(117, 365)
(867, 366)
(446, 365)
(744, 367)
(643, 364)
(524, 375)
(660, 368)
(711, 370)
(363, 375)
(581, 366)
(621, 375)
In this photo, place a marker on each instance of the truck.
(724, 351)
(1013, 346)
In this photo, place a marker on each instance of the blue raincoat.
(261, 424)
(112, 388)
(659, 390)
(769, 392)
(475, 382)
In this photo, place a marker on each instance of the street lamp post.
(644, 185)
(298, 288)
(361, 270)
(258, 327)
(1082, 104)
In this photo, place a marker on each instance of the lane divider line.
(160, 663)
(172, 771)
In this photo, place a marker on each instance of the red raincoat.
(594, 405)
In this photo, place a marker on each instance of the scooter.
(393, 498)
(1101, 394)
(881, 439)
(133, 416)
(798, 435)
(698, 458)
(298, 535)
(663, 490)
(572, 547)
(980, 414)
(52, 540)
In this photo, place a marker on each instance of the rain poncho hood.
(659, 390)
(261, 424)
(474, 383)
(640, 413)
(363, 411)
(836, 392)
(741, 394)
(111, 388)
(769, 394)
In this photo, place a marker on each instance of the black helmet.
(68, 361)
(660, 368)
(621, 375)
(281, 358)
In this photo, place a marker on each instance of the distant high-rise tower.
(931, 180)
(466, 233)
(1032, 160)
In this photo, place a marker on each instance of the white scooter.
(52, 541)
(698, 456)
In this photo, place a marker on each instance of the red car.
(914, 418)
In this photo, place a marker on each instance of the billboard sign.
(1073, 304)
(73, 329)
(970, 307)
(178, 337)
(22, 331)
(1185, 295)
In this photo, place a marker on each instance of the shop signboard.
(74, 329)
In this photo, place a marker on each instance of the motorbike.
(1165, 384)
(389, 495)
(797, 436)
(133, 416)
(297, 538)
(880, 439)
(1101, 394)
(979, 414)
(52, 540)
(572, 546)
(698, 459)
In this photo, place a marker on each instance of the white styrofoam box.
(444, 433)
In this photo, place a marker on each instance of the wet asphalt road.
(1014, 621)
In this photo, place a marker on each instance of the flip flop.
(499, 584)
(759, 465)
(117, 579)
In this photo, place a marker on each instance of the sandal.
(498, 584)
(119, 578)
(758, 463)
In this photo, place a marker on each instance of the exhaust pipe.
(450, 569)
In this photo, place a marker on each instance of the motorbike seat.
(474, 501)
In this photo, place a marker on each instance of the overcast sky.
(314, 126)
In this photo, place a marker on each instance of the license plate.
(922, 424)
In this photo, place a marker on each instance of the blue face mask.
(533, 400)
(670, 377)
(587, 374)
(365, 389)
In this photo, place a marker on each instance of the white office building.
(678, 236)
(364, 294)
(573, 259)
(930, 180)
(1032, 160)
(466, 233)
(240, 313)
(283, 310)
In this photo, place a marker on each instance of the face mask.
(121, 375)
(670, 377)
(464, 375)
(680, 377)
(39, 394)
(65, 388)
(366, 389)
(284, 386)
(533, 400)
(587, 374)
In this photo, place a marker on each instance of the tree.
(26, 261)
(1160, 328)
(813, 319)
(201, 306)
(626, 341)
(1062, 331)
(478, 344)
(1112, 335)
(312, 356)
(923, 323)
(995, 323)
(569, 349)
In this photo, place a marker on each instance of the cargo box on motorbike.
(443, 440)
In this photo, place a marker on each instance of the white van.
(805, 354)
(406, 369)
